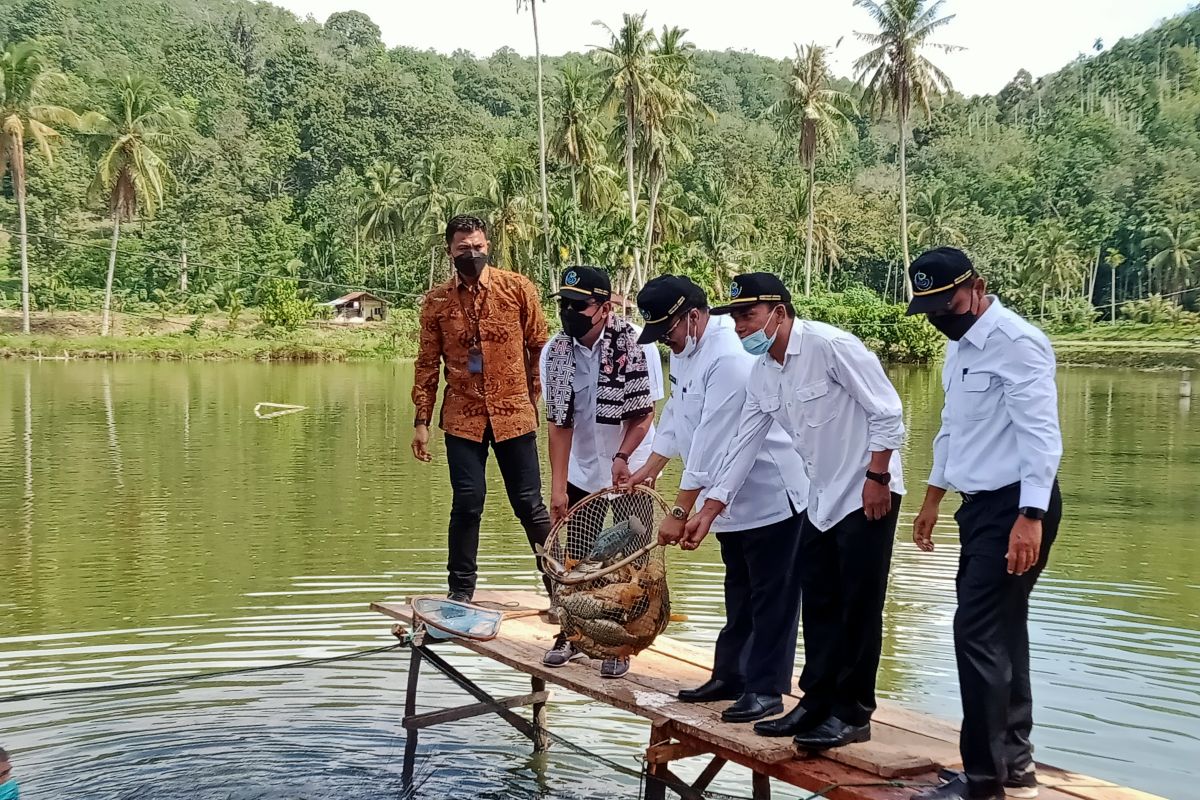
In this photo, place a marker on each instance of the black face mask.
(470, 265)
(575, 324)
(954, 326)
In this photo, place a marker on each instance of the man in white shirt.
(830, 394)
(999, 446)
(760, 536)
(600, 388)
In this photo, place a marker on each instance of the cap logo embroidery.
(571, 278)
(734, 291)
(645, 314)
(922, 281)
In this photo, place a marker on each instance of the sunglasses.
(581, 306)
(666, 335)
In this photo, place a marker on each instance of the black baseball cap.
(935, 276)
(664, 298)
(755, 287)
(584, 282)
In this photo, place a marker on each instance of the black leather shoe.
(956, 789)
(833, 733)
(752, 706)
(710, 692)
(798, 720)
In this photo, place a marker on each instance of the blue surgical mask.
(8, 790)
(758, 342)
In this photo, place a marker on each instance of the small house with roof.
(358, 307)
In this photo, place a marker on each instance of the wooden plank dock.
(907, 748)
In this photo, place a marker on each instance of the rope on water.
(145, 684)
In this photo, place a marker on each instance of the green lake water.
(151, 526)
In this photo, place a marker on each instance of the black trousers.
(756, 649)
(520, 469)
(991, 637)
(843, 577)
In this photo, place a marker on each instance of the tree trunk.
(108, 280)
(1042, 313)
(655, 188)
(812, 176)
(18, 169)
(575, 199)
(637, 256)
(1112, 293)
(395, 270)
(904, 204)
(537, 48)
(183, 265)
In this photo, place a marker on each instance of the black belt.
(971, 497)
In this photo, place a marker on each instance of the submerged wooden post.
(410, 708)
(762, 786)
(656, 789)
(541, 731)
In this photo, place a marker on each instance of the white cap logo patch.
(922, 282)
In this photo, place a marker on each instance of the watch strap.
(420, 421)
(623, 456)
(1029, 512)
(880, 477)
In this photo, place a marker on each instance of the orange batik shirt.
(501, 316)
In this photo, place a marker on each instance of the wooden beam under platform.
(906, 751)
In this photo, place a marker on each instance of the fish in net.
(609, 574)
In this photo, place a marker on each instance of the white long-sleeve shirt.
(1000, 419)
(708, 392)
(834, 400)
(593, 445)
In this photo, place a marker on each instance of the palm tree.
(24, 116)
(505, 202)
(817, 115)
(936, 213)
(380, 208)
(627, 71)
(537, 47)
(1052, 259)
(1176, 249)
(816, 227)
(432, 195)
(576, 139)
(895, 75)
(669, 121)
(131, 139)
(721, 229)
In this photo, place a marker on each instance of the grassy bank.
(1130, 344)
(76, 335)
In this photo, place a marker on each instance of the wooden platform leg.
(762, 786)
(410, 708)
(541, 738)
(656, 789)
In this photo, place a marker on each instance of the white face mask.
(689, 344)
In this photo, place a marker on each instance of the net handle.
(591, 576)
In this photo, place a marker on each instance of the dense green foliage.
(304, 151)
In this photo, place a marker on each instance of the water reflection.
(181, 534)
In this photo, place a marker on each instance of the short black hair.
(464, 223)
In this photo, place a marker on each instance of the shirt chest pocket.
(693, 406)
(814, 404)
(979, 396)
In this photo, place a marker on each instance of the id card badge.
(474, 361)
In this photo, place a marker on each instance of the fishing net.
(449, 619)
(610, 576)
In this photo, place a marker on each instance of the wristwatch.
(623, 456)
(418, 422)
(880, 477)
(1029, 512)
(679, 512)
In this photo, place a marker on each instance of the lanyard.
(470, 316)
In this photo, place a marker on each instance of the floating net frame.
(443, 618)
(609, 572)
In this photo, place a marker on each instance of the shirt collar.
(978, 333)
(795, 344)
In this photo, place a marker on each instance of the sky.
(1000, 36)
